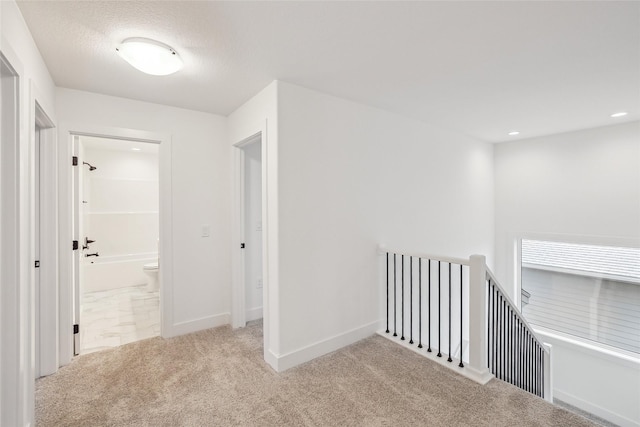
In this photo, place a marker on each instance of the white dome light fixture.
(150, 56)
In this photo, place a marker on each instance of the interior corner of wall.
(272, 360)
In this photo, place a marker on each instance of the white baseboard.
(271, 359)
(253, 314)
(596, 410)
(320, 348)
(198, 325)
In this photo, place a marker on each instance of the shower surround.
(120, 213)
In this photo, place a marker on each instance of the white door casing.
(238, 294)
(68, 233)
(45, 240)
(12, 333)
(252, 252)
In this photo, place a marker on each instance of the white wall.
(121, 209)
(259, 115)
(201, 196)
(352, 177)
(596, 381)
(578, 187)
(17, 37)
(36, 84)
(582, 185)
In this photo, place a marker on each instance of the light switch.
(206, 230)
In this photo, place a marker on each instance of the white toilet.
(151, 271)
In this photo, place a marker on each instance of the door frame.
(68, 291)
(44, 284)
(252, 248)
(15, 306)
(238, 301)
(239, 292)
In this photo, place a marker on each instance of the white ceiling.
(482, 68)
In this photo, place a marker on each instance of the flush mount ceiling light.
(150, 56)
(620, 114)
(514, 133)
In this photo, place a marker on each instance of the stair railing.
(454, 312)
(514, 352)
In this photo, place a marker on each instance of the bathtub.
(111, 272)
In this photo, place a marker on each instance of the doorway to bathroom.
(116, 203)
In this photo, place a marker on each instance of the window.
(586, 291)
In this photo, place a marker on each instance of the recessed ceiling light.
(620, 114)
(150, 56)
(514, 133)
(135, 149)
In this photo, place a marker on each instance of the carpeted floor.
(217, 378)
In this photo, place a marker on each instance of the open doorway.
(45, 241)
(251, 285)
(253, 280)
(116, 217)
(70, 202)
(254, 251)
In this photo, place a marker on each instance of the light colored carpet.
(217, 378)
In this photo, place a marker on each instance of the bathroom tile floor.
(118, 316)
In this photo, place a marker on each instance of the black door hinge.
(75, 245)
(241, 245)
(76, 329)
(74, 161)
(37, 264)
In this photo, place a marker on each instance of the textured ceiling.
(482, 68)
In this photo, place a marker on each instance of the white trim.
(595, 409)
(513, 264)
(165, 249)
(460, 261)
(238, 319)
(66, 132)
(592, 348)
(15, 306)
(271, 359)
(477, 323)
(269, 236)
(200, 324)
(547, 391)
(383, 292)
(78, 229)
(583, 239)
(239, 233)
(320, 348)
(48, 310)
